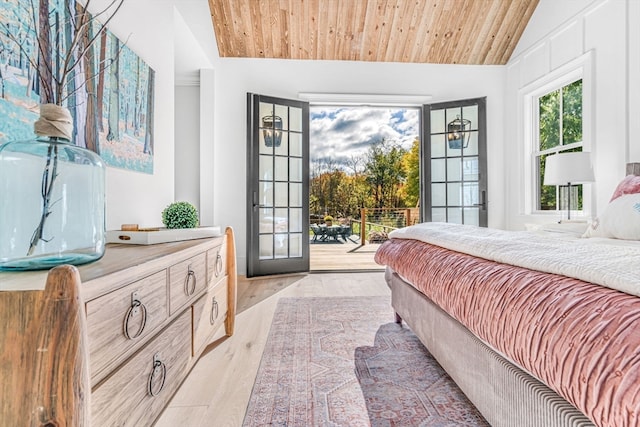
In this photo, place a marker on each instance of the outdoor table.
(332, 231)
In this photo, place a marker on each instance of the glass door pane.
(278, 187)
(454, 155)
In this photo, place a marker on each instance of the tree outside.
(377, 165)
(560, 124)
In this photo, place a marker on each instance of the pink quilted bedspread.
(581, 339)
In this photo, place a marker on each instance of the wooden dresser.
(148, 314)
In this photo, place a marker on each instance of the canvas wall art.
(110, 92)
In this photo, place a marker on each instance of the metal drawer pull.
(190, 274)
(136, 306)
(159, 368)
(218, 269)
(214, 309)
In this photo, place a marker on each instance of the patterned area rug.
(344, 362)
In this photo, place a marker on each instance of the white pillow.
(620, 219)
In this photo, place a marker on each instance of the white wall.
(600, 29)
(235, 77)
(207, 147)
(193, 113)
(187, 144)
(547, 18)
(136, 197)
(633, 79)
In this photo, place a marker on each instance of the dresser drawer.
(209, 314)
(217, 262)
(137, 392)
(187, 280)
(119, 321)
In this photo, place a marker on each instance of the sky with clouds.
(342, 133)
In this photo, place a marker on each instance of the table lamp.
(568, 169)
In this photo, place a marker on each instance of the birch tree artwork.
(109, 89)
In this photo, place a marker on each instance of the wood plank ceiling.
(423, 31)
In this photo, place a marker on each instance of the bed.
(538, 328)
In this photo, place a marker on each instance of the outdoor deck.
(346, 256)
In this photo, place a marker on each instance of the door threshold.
(364, 270)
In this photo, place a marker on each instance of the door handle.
(256, 205)
(483, 198)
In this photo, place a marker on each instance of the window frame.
(579, 68)
(561, 147)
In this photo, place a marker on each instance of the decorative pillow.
(620, 219)
(629, 185)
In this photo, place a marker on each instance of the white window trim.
(581, 67)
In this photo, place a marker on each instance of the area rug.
(344, 362)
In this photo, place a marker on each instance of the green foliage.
(411, 165)
(560, 124)
(549, 109)
(180, 215)
(385, 173)
(547, 192)
(572, 113)
(562, 104)
(390, 178)
(326, 190)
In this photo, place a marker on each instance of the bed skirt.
(504, 394)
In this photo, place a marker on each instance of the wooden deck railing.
(382, 220)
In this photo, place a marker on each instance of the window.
(559, 130)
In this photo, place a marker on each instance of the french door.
(277, 185)
(454, 162)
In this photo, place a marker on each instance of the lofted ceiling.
(481, 32)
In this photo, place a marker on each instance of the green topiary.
(180, 215)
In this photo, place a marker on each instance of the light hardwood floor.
(217, 390)
(332, 256)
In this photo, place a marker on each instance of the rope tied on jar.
(54, 121)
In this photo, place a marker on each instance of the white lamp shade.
(565, 168)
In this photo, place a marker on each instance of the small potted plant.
(180, 215)
(328, 220)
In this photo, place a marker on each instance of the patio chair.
(345, 232)
(317, 231)
(332, 232)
